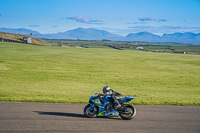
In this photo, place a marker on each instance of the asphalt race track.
(48, 117)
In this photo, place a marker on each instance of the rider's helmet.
(107, 90)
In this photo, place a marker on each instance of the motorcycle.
(103, 106)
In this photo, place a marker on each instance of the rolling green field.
(32, 73)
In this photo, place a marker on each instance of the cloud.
(181, 27)
(136, 22)
(147, 19)
(161, 20)
(85, 20)
(34, 25)
(61, 18)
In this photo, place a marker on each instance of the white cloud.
(161, 20)
(147, 19)
(34, 25)
(86, 20)
(136, 22)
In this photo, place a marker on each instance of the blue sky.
(116, 16)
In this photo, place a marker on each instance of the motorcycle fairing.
(126, 99)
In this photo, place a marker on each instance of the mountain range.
(95, 34)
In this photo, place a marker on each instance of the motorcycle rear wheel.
(129, 113)
(90, 113)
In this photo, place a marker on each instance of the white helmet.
(106, 90)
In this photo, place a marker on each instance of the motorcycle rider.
(114, 95)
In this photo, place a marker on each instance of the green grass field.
(32, 73)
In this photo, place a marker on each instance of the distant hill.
(143, 36)
(95, 34)
(19, 31)
(84, 34)
(19, 38)
(187, 37)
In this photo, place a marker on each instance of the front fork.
(91, 107)
(99, 109)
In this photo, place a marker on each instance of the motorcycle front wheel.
(91, 113)
(128, 112)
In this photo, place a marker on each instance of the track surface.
(48, 117)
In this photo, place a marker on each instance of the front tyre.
(91, 113)
(128, 112)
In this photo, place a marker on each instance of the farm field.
(31, 73)
(161, 47)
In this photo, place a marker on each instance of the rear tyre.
(91, 113)
(128, 113)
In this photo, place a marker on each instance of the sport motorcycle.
(104, 106)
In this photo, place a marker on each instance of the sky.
(116, 16)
